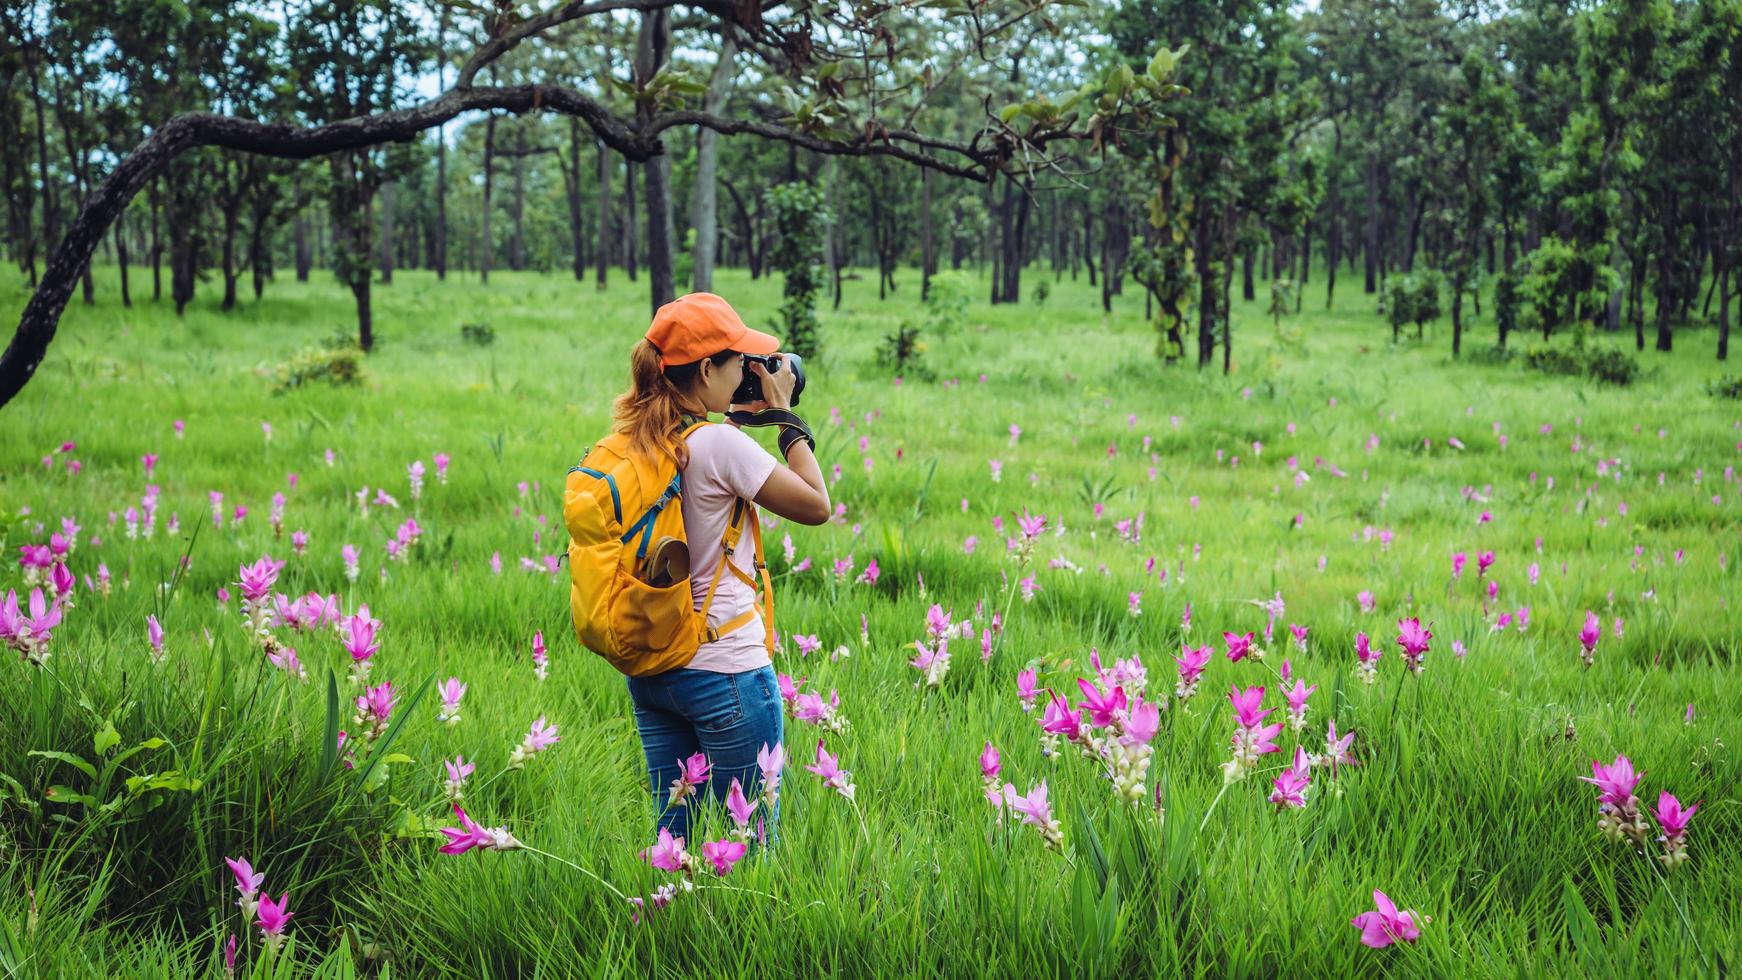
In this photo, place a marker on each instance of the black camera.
(751, 389)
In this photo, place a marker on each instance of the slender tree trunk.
(156, 241)
(121, 258)
(50, 210)
(388, 234)
(1370, 252)
(304, 255)
(487, 242)
(629, 214)
(705, 195)
(927, 255)
(652, 49)
(602, 256)
(517, 238)
(1248, 290)
(1665, 302)
(230, 274)
(1089, 243)
(572, 188)
(441, 215)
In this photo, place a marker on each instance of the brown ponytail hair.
(651, 412)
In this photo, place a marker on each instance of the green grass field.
(1466, 805)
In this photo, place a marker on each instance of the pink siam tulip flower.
(257, 579)
(1484, 561)
(274, 917)
(770, 761)
(540, 660)
(1290, 788)
(248, 882)
(1521, 619)
(667, 854)
(870, 574)
(284, 658)
(1458, 561)
(1386, 925)
(154, 636)
(739, 808)
(1025, 689)
(990, 765)
(1142, 723)
(230, 956)
(1413, 638)
(1299, 633)
(1337, 749)
(1297, 703)
(985, 646)
(1036, 811)
(359, 639)
(469, 835)
(458, 772)
(1239, 646)
(691, 773)
(1060, 719)
(1589, 635)
(374, 707)
(834, 777)
(539, 738)
(1191, 667)
(1252, 738)
(807, 645)
(1364, 598)
(723, 854)
(451, 691)
(1673, 821)
(1102, 707)
(1618, 813)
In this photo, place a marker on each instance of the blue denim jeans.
(727, 717)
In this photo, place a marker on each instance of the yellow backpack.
(615, 503)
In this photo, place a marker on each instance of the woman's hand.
(776, 388)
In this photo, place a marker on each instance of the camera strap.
(792, 428)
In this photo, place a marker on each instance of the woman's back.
(724, 465)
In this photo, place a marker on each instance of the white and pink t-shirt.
(725, 464)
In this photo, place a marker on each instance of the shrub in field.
(1729, 386)
(480, 334)
(1612, 366)
(333, 365)
(1554, 360)
(800, 215)
(901, 352)
(1413, 298)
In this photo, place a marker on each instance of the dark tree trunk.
(156, 241)
(229, 254)
(441, 216)
(927, 256)
(572, 187)
(517, 237)
(1370, 250)
(1089, 243)
(121, 258)
(488, 253)
(629, 214)
(1248, 290)
(304, 256)
(602, 256)
(388, 234)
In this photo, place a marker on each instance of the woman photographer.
(725, 703)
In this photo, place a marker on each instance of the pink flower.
(1413, 638)
(770, 761)
(869, 575)
(360, 639)
(1297, 702)
(257, 579)
(1060, 719)
(829, 768)
(1025, 689)
(154, 635)
(1671, 817)
(1615, 781)
(1337, 749)
(807, 645)
(723, 854)
(1102, 707)
(989, 762)
(1589, 635)
(738, 807)
(1457, 564)
(1386, 925)
(1290, 787)
(1247, 705)
(248, 882)
(1238, 645)
(451, 691)
(1031, 524)
(1484, 561)
(469, 835)
(1142, 723)
(691, 772)
(1192, 663)
(274, 917)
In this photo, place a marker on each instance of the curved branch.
(508, 40)
(980, 169)
(36, 327)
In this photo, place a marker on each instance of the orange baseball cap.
(699, 325)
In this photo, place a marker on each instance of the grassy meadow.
(1330, 463)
